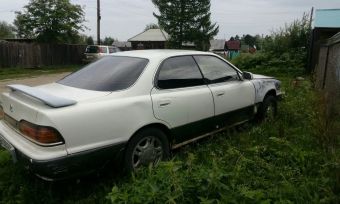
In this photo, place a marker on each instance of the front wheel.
(268, 109)
(147, 147)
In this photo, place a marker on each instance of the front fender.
(262, 87)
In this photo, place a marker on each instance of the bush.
(266, 63)
(285, 49)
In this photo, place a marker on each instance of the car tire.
(267, 110)
(147, 147)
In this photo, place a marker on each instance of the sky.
(123, 19)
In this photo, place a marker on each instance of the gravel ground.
(31, 81)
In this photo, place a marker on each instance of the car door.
(233, 97)
(181, 98)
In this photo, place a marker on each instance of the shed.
(233, 45)
(326, 24)
(150, 39)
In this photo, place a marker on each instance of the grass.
(279, 161)
(13, 73)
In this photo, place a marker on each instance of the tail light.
(2, 113)
(46, 136)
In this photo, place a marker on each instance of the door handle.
(220, 93)
(164, 103)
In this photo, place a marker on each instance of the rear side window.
(216, 70)
(92, 49)
(179, 72)
(110, 73)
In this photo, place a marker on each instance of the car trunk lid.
(24, 103)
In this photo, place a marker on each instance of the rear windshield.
(110, 73)
(92, 49)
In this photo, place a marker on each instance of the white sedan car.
(136, 105)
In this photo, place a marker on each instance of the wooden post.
(98, 22)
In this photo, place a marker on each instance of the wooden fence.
(327, 81)
(30, 55)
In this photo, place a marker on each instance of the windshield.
(110, 73)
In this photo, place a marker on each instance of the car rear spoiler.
(48, 99)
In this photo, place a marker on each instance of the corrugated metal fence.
(29, 55)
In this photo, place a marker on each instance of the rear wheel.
(268, 109)
(147, 147)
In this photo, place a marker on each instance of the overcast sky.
(124, 19)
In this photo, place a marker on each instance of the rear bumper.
(68, 166)
(73, 165)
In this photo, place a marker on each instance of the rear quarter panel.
(100, 123)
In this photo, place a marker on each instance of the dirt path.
(32, 81)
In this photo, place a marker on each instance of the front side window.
(110, 73)
(216, 70)
(179, 72)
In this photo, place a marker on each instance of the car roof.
(157, 54)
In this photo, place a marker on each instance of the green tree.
(151, 26)
(52, 21)
(186, 21)
(6, 30)
(107, 41)
(291, 38)
(249, 40)
(89, 40)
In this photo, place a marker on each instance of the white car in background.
(135, 105)
(94, 52)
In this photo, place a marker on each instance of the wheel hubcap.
(147, 151)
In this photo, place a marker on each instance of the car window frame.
(207, 81)
(155, 81)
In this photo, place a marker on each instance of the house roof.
(156, 35)
(217, 44)
(327, 18)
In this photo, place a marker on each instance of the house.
(123, 46)
(233, 48)
(149, 39)
(326, 25)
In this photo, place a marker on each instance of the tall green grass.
(274, 162)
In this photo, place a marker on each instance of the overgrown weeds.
(275, 162)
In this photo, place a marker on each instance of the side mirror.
(247, 75)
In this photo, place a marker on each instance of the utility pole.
(311, 18)
(98, 22)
